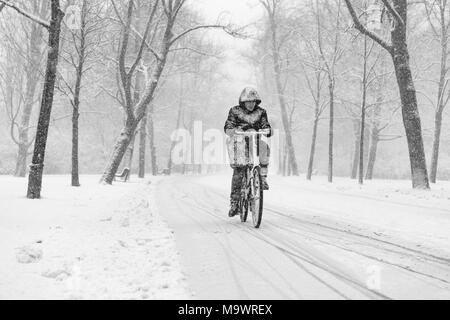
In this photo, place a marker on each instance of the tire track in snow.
(239, 287)
(442, 260)
(228, 248)
(293, 254)
(372, 257)
(274, 234)
(443, 264)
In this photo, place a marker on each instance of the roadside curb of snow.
(161, 221)
(117, 247)
(143, 250)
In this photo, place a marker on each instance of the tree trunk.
(357, 145)
(142, 145)
(178, 124)
(436, 142)
(119, 150)
(411, 121)
(440, 99)
(172, 145)
(280, 157)
(281, 100)
(363, 116)
(75, 117)
(375, 131)
(331, 131)
(374, 139)
(37, 165)
(32, 74)
(313, 147)
(76, 98)
(129, 161)
(21, 162)
(137, 94)
(151, 132)
(361, 143)
(285, 159)
(24, 143)
(410, 112)
(287, 129)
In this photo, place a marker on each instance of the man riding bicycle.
(248, 115)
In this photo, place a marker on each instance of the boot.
(264, 183)
(234, 208)
(264, 171)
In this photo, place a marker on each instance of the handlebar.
(251, 133)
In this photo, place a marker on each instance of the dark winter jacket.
(240, 118)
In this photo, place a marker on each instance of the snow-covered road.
(347, 246)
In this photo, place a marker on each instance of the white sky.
(238, 12)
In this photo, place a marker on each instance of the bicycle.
(252, 193)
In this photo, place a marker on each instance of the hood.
(249, 94)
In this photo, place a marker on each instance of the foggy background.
(207, 80)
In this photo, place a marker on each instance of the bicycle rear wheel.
(256, 198)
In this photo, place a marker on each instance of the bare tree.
(27, 45)
(439, 21)
(179, 124)
(54, 29)
(366, 55)
(315, 88)
(272, 8)
(136, 111)
(378, 123)
(81, 47)
(151, 137)
(398, 10)
(330, 62)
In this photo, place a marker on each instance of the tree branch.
(34, 18)
(122, 57)
(211, 26)
(362, 29)
(393, 12)
(144, 38)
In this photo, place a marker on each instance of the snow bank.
(92, 242)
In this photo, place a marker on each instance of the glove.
(266, 132)
(246, 127)
(230, 132)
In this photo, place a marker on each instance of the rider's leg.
(236, 183)
(264, 155)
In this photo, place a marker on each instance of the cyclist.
(246, 116)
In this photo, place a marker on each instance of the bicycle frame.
(251, 189)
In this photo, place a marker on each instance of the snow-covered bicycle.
(252, 194)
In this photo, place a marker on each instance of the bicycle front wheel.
(244, 199)
(257, 198)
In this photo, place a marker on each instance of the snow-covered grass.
(92, 242)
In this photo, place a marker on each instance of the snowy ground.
(93, 242)
(317, 241)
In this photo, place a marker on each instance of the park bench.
(124, 175)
